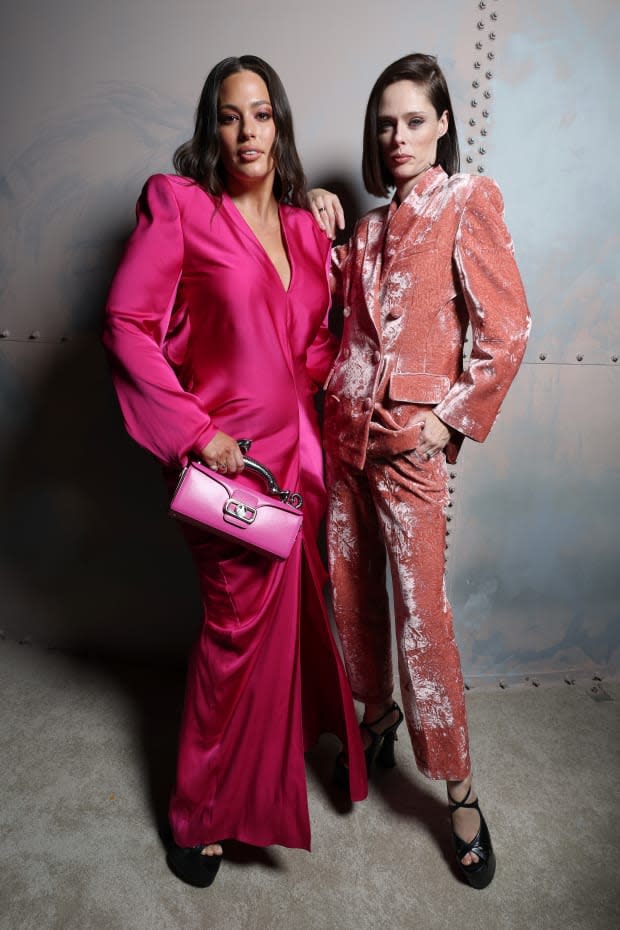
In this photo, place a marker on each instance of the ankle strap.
(373, 723)
(454, 805)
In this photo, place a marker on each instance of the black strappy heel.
(188, 862)
(380, 750)
(478, 874)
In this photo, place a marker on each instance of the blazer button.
(346, 311)
(376, 357)
(367, 404)
(396, 312)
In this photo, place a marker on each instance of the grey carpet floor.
(87, 756)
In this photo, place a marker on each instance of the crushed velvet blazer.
(412, 279)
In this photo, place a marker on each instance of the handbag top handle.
(293, 498)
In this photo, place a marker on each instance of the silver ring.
(215, 467)
(222, 468)
(322, 209)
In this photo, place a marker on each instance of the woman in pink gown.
(216, 330)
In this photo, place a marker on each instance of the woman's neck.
(257, 202)
(403, 192)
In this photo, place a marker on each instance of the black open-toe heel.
(188, 862)
(478, 874)
(380, 750)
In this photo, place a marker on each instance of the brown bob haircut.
(199, 157)
(424, 71)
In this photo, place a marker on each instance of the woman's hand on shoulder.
(223, 454)
(326, 209)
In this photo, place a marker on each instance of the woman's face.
(408, 128)
(246, 128)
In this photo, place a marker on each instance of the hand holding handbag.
(212, 501)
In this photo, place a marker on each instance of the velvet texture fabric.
(412, 279)
(203, 337)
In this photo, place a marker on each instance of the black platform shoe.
(380, 751)
(478, 874)
(188, 862)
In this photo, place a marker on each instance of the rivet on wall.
(481, 25)
(33, 336)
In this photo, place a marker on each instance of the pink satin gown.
(202, 337)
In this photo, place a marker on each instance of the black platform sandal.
(477, 874)
(380, 750)
(188, 862)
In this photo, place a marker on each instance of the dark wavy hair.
(424, 71)
(199, 157)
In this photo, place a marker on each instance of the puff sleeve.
(158, 413)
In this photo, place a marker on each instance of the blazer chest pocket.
(418, 387)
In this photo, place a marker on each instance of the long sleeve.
(497, 309)
(158, 413)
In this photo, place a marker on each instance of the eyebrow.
(411, 113)
(255, 103)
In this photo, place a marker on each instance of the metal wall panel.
(535, 530)
(101, 94)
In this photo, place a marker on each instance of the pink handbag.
(214, 502)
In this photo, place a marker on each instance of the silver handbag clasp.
(241, 511)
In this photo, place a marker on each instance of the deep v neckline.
(247, 229)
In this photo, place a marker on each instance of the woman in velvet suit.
(216, 330)
(414, 276)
